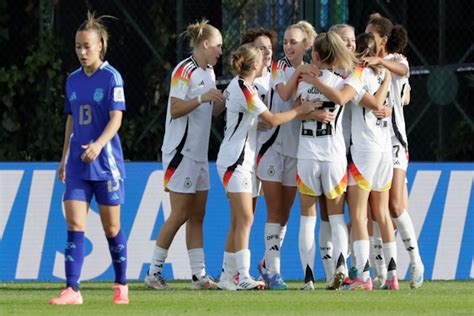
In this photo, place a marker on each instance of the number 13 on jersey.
(85, 114)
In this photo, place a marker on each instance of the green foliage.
(32, 123)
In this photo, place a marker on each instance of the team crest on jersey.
(271, 171)
(73, 96)
(98, 94)
(119, 95)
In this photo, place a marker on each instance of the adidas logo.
(115, 197)
(378, 257)
(410, 248)
(327, 257)
(407, 240)
(274, 248)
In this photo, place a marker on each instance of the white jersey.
(397, 91)
(240, 138)
(189, 134)
(321, 141)
(287, 135)
(368, 133)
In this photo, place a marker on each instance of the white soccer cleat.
(250, 284)
(156, 281)
(205, 283)
(379, 281)
(308, 286)
(227, 283)
(416, 275)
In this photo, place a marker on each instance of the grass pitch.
(440, 297)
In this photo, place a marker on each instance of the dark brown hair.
(251, 35)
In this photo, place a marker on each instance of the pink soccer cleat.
(357, 283)
(120, 294)
(67, 297)
(392, 284)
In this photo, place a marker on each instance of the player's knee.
(396, 206)
(111, 230)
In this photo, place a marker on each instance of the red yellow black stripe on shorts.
(338, 189)
(176, 160)
(267, 145)
(303, 188)
(230, 170)
(359, 178)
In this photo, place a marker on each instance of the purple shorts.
(109, 192)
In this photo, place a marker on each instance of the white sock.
(379, 263)
(282, 235)
(390, 253)
(325, 249)
(340, 238)
(272, 247)
(361, 253)
(197, 263)
(408, 235)
(158, 260)
(306, 245)
(229, 265)
(242, 258)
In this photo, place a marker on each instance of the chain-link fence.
(145, 45)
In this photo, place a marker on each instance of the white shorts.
(238, 180)
(317, 177)
(184, 175)
(275, 167)
(371, 171)
(400, 155)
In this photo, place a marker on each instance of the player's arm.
(92, 150)
(285, 90)
(397, 68)
(67, 137)
(180, 107)
(341, 97)
(275, 119)
(218, 108)
(376, 102)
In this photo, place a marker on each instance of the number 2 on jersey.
(85, 114)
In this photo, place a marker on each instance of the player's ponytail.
(332, 51)
(198, 32)
(367, 47)
(97, 25)
(243, 58)
(398, 41)
(308, 31)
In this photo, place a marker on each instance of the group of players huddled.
(332, 129)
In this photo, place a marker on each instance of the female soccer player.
(236, 159)
(192, 100)
(369, 171)
(92, 159)
(276, 159)
(322, 164)
(392, 39)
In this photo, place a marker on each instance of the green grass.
(441, 297)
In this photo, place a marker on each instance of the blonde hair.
(199, 31)
(308, 31)
(339, 27)
(332, 51)
(96, 24)
(242, 59)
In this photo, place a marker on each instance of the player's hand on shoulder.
(91, 152)
(309, 69)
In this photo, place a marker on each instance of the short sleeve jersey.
(321, 141)
(367, 131)
(189, 134)
(262, 84)
(243, 107)
(90, 99)
(397, 90)
(286, 141)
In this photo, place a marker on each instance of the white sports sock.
(390, 253)
(272, 247)
(242, 258)
(408, 235)
(325, 249)
(282, 235)
(306, 245)
(197, 263)
(379, 263)
(158, 260)
(340, 238)
(361, 253)
(229, 265)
